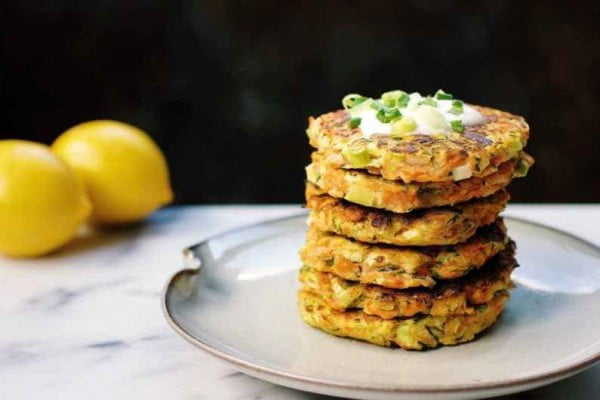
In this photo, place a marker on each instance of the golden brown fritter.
(458, 296)
(424, 158)
(425, 227)
(369, 190)
(417, 333)
(401, 267)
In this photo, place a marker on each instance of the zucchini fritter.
(427, 227)
(401, 267)
(458, 296)
(369, 190)
(415, 333)
(424, 158)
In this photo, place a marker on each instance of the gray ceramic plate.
(237, 301)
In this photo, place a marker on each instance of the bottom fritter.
(417, 333)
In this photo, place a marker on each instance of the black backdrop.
(225, 87)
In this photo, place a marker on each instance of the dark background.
(225, 87)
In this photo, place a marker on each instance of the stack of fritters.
(403, 249)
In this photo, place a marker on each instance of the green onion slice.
(457, 126)
(429, 101)
(390, 99)
(403, 100)
(354, 122)
(352, 100)
(377, 105)
(387, 115)
(441, 95)
(394, 114)
(457, 107)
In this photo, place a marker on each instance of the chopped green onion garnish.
(376, 105)
(352, 100)
(457, 126)
(387, 115)
(457, 107)
(354, 122)
(403, 100)
(394, 114)
(357, 154)
(390, 98)
(441, 95)
(429, 101)
(402, 127)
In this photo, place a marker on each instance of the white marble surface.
(86, 323)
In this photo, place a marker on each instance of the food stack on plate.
(405, 246)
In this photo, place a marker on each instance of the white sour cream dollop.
(428, 119)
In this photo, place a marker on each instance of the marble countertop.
(86, 322)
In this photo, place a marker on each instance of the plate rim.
(538, 379)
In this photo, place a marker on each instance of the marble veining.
(85, 322)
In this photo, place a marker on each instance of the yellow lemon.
(42, 203)
(124, 172)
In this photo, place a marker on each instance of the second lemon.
(123, 170)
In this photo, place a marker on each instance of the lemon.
(124, 172)
(42, 203)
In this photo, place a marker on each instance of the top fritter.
(413, 138)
